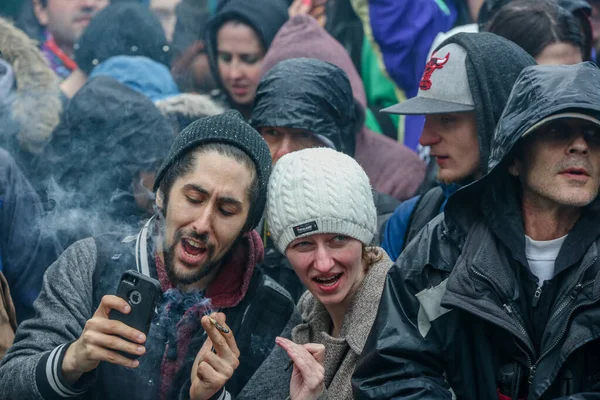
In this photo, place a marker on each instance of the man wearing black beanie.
(200, 245)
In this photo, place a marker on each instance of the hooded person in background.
(27, 244)
(189, 63)
(99, 167)
(392, 168)
(26, 84)
(463, 92)
(237, 39)
(319, 111)
(63, 22)
(122, 29)
(201, 246)
(498, 297)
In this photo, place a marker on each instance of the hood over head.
(302, 36)
(541, 92)
(34, 105)
(141, 74)
(493, 65)
(309, 94)
(108, 134)
(265, 17)
(122, 29)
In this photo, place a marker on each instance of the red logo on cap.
(432, 65)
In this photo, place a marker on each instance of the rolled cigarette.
(218, 325)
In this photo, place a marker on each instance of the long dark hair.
(535, 24)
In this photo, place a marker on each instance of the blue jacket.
(404, 31)
(397, 225)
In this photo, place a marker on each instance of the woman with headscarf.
(237, 39)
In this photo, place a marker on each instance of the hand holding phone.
(107, 340)
(141, 293)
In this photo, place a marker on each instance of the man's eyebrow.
(196, 188)
(200, 189)
(231, 200)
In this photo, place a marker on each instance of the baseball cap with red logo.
(444, 87)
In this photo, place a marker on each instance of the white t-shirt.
(541, 256)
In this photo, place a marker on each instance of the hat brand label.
(432, 65)
(305, 228)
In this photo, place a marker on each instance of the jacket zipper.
(536, 296)
(508, 309)
(578, 288)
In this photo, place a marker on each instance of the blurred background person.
(30, 104)
(189, 63)
(165, 11)
(120, 29)
(548, 32)
(237, 39)
(63, 22)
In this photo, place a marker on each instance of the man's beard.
(204, 270)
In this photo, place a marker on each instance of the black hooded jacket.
(264, 16)
(108, 134)
(456, 313)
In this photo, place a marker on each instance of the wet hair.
(186, 163)
(535, 24)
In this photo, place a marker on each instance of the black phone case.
(142, 294)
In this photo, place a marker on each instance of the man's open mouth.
(193, 248)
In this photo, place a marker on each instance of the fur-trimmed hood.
(34, 105)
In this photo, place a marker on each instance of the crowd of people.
(333, 199)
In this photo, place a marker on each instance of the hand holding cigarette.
(216, 361)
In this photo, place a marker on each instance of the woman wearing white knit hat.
(322, 216)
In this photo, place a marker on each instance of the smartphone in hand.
(142, 293)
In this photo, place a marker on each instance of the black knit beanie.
(123, 29)
(229, 128)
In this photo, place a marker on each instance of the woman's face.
(560, 53)
(330, 266)
(240, 55)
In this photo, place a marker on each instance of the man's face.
(282, 141)
(560, 164)
(206, 211)
(67, 19)
(454, 144)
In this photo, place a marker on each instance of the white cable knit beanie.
(319, 190)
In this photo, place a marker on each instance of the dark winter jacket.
(391, 167)
(27, 245)
(493, 65)
(460, 308)
(108, 134)
(257, 310)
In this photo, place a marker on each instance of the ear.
(159, 199)
(514, 167)
(41, 13)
